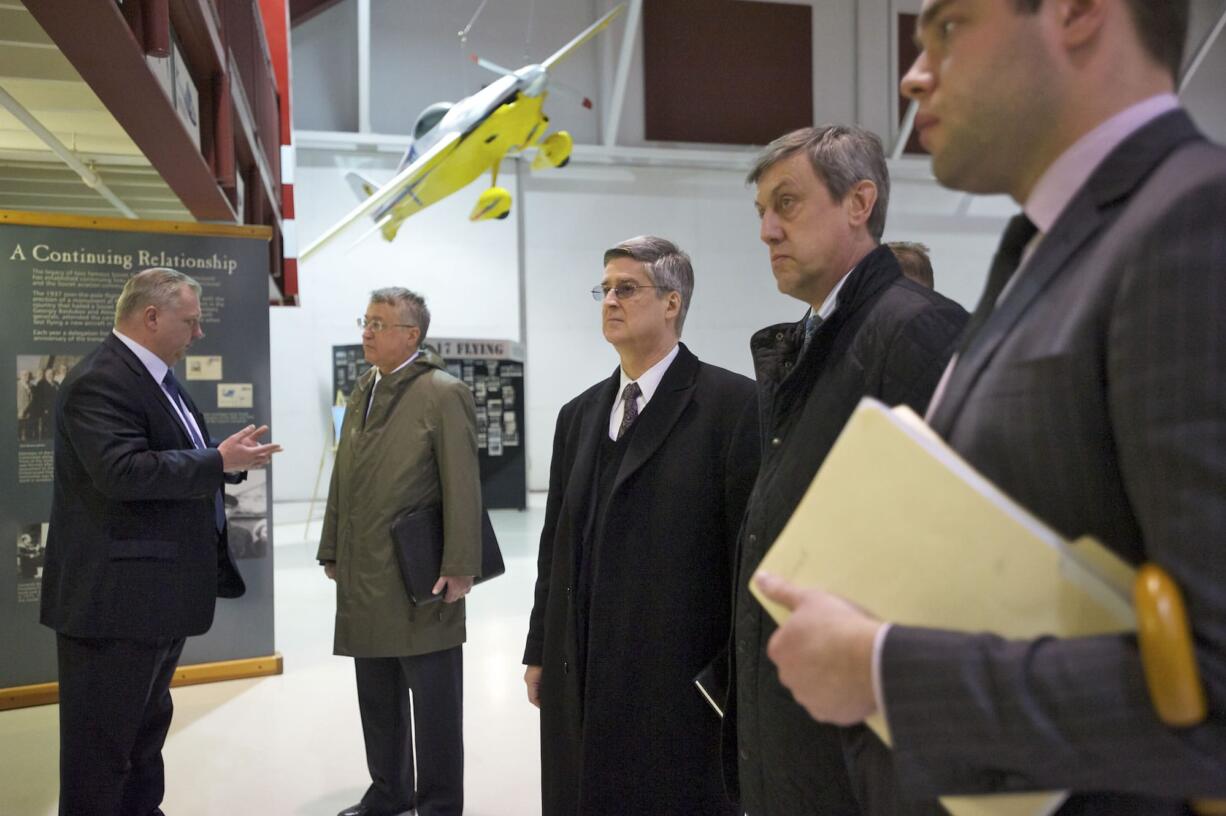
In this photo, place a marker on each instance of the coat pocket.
(130, 549)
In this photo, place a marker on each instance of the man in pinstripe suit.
(1091, 386)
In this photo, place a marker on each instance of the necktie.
(811, 324)
(171, 384)
(630, 396)
(1008, 257)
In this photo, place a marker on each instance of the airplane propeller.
(566, 90)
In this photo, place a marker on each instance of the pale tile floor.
(291, 745)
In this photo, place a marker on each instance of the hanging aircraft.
(453, 144)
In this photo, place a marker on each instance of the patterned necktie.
(1008, 257)
(171, 385)
(811, 323)
(630, 396)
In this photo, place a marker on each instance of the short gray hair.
(412, 306)
(157, 286)
(668, 267)
(842, 156)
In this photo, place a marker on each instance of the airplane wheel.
(504, 215)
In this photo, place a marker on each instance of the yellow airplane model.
(454, 144)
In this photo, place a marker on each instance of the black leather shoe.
(362, 810)
(357, 810)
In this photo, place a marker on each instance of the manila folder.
(898, 523)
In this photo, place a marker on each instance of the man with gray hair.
(650, 474)
(821, 197)
(408, 443)
(137, 550)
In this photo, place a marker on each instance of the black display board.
(494, 370)
(60, 277)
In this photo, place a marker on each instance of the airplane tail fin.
(362, 187)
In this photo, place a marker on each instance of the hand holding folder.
(952, 551)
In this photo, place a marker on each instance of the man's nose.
(768, 229)
(917, 82)
(610, 297)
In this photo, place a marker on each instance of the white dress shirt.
(379, 375)
(648, 382)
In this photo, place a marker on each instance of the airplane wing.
(406, 179)
(591, 31)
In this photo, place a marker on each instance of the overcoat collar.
(393, 384)
(1117, 178)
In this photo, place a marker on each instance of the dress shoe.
(362, 810)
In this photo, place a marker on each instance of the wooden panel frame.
(42, 219)
(242, 669)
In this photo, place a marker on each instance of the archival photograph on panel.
(38, 382)
(31, 548)
(247, 514)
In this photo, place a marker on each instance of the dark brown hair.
(1162, 26)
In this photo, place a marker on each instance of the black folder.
(418, 539)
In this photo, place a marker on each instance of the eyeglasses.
(622, 291)
(376, 325)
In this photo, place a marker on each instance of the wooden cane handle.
(1169, 660)
(1165, 640)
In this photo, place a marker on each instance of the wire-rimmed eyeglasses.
(376, 325)
(622, 291)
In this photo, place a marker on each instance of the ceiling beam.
(98, 42)
(614, 114)
(87, 175)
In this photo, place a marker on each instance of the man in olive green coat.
(409, 442)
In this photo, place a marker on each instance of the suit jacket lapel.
(661, 414)
(1116, 178)
(153, 389)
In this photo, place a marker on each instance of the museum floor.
(291, 745)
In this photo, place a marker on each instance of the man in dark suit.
(650, 473)
(1089, 387)
(136, 549)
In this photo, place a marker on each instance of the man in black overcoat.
(822, 195)
(650, 473)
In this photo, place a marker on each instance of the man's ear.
(1081, 21)
(149, 317)
(859, 202)
(674, 303)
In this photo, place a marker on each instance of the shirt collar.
(649, 381)
(379, 375)
(156, 366)
(832, 300)
(1067, 174)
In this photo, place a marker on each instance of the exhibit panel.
(61, 276)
